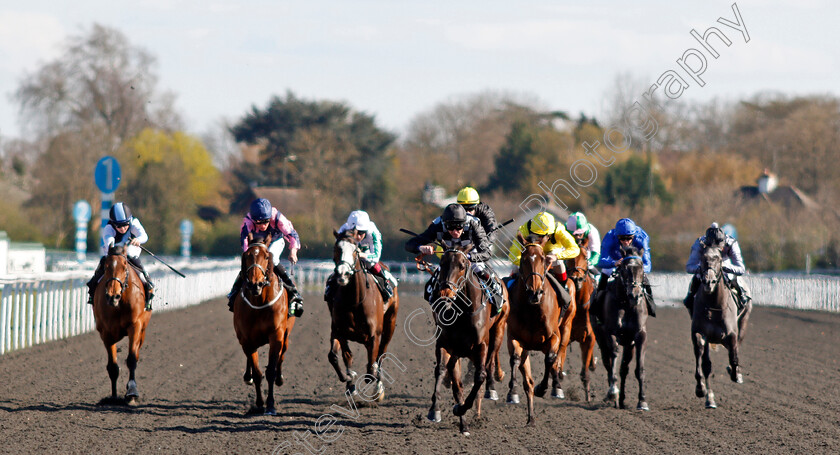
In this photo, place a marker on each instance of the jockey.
(263, 219)
(559, 247)
(577, 225)
(733, 265)
(369, 240)
(459, 228)
(625, 233)
(123, 230)
(469, 200)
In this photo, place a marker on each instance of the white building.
(18, 258)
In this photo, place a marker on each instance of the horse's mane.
(346, 235)
(118, 250)
(630, 250)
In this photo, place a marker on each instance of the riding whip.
(161, 261)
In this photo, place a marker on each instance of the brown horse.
(716, 319)
(260, 316)
(582, 286)
(119, 311)
(625, 325)
(465, 329)
(358, 314)
(536, 323)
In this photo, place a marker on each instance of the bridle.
(456, 287)
(123, 284)
(526, 278)
(629, 286)
(258, 286)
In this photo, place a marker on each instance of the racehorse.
(119, 310)
(625, 319)
(715, 319)
(465, 329)
(358, 313)
(260, 316)
(536, 322)
(582, 288)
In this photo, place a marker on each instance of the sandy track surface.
(193, 399)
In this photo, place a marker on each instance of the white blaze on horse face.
(345, 268)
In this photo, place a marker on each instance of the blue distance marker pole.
(81, 213)
(186, 233)
(107, 176)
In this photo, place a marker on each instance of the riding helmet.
(260, 209)
(120, 214)
(359, 220)
(542, 224)
(714, 235)
(577, 224)
(468, 196)
(454, 213)
(625, 226)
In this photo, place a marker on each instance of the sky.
(398, 59)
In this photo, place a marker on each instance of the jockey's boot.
(649, 297)
(385, 277)
(492, 289)
(237, 285)
(149, 288)
(295, 300)
(563, 296)
(94, 281)
(596, 307)
(688, 301)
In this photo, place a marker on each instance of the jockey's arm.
(515, 251)
(736, 261)
(138, 233)
(693, 264)
(481, 252)
(563, 246)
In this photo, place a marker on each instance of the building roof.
(785, 195)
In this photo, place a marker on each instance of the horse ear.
(520, 239)
(250, 237)
(267, 239)
(469, 248)
(544, 239)
(336, 234)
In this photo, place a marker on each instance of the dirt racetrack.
(193, 399)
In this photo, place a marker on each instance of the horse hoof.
(434, 416)
(351, 375)
(594, 363)
(557, 392)
(642, 406)
(279, 380)
(459, 410)
(711, 405)
(513, 398)
(700, 391)
(491, 395)
(131, 400)
(739, 379)
(465, 432)
(270, 412)
(380, 392)
(540, 390)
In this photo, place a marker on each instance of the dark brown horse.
(119, 311)
(582, 286)
(465, 329)
(715, 319)
(534, 324)
(358, 314)
(260, 316)
(625, 321)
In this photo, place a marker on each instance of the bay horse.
(583, 286)
(536, 323)
(465, 329)
(358, 313)
(261, 316)
(625, 320)
(119, 309)
(715, 319)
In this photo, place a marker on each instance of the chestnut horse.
(260, 316)
(358, 314)
(625, 320)
(119, 308)
(536, 323)
(465, 329)
(583, 287)
(715, 319)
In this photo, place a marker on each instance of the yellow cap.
(468, 195)
(542, 224)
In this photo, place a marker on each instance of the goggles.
(625, 238)
(453, 225)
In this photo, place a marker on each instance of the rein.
(265, 281)
(123, 284)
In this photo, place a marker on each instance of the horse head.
(454, 270)
(116, 267)
(256, 262)
(578, 267)
(533, 266)
(345, 256)
(631, 272)
(711, 263)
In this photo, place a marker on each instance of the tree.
(632, 183)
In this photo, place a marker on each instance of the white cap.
(359, 220)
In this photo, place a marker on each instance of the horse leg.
(274, 348)
(742, 321)
(135, 340)
(515, 351)
(372, 347)
(479, 362)
(610, 356)
(699, 343)
(113, 368)
(492, 368)
(626, 357)
(254, 366)
(528, 386)
(587, 350)
(279, 378)
(641, 346)
(707, 371)
(389, 322)
(454, 368)
(347, 356)
(434, 411)
(731, 344)
(551, 356)
(332, 356)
